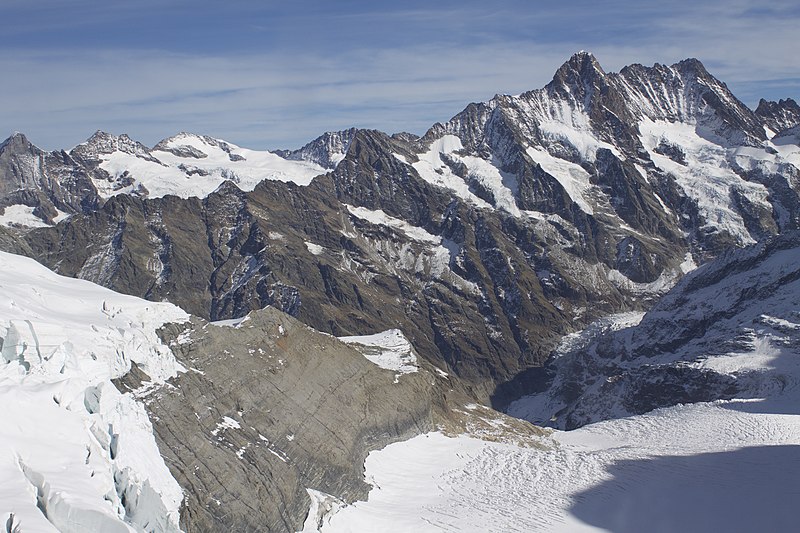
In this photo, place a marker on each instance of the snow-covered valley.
(722, 466)
(725, 465)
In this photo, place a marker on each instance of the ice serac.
(726, 330)
(77, 454)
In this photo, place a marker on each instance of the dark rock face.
(780, 115)
(43, 181)
(254, 250)
(270, 408)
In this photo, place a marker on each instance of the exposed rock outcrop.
(269, 408)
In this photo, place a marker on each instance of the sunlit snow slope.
(187, 165)
(725, 466)
(76, 454)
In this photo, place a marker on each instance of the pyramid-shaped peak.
(693, 65)
(579, 69)
(99, 136)
(579, 76)
(18, 136)
(19, 142)
(583, 62)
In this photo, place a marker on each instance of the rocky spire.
(780, 115)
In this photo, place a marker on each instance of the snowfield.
(197, 166)
(75, 453)
(389, 349)
(723, 466)
(707, 176)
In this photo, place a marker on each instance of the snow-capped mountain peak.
(183, 165)
(191, 145)
(327, 150)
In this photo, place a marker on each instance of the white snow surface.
(315, 249)
(379, 218)
(721, 466)
(563, 122)
(388, 349)
(166, 173)
(76, 454)
(22, 215)
(433, 169)
(571, 176)
(708, 177)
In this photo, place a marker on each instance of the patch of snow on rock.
(315, 249)
(21, 215)
(379, 218)
(433, 169)
(389, 349)
(571, 176)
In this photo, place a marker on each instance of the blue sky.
(266, 74)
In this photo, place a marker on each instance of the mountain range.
(474, 253)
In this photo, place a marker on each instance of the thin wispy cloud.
(274, 75)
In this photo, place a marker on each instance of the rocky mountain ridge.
(479, 246)
(779, 116)
(485, 240)
(728, 329)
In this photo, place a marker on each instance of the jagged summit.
(102, 142)
(581, 67)
(779, 116)
(18, 141)
(327, 150)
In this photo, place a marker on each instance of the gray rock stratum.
(269, 408)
